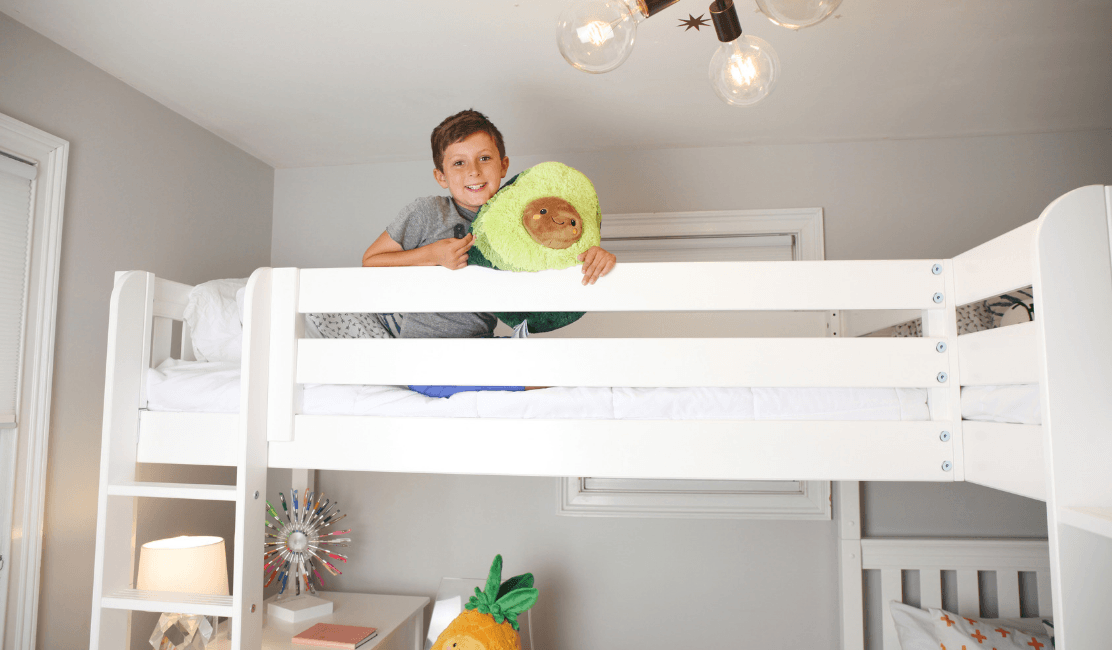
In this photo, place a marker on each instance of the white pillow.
(930, 630)
(215, 320)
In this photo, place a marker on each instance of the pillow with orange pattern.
(933, 629)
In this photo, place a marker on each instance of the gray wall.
(147, 189)
(608, 583)
(887, 199)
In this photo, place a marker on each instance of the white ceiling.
(302, 83)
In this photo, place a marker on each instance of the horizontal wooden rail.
(688, 286)
(708, 449)
(188, 438)
(1005, 355)
(794, 362)
(996, 266)
(170, 298)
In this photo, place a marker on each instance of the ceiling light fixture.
(597, 36)
(744, 68)
(797, 14)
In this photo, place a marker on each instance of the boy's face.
(472, 170)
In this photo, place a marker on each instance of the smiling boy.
(469, 159)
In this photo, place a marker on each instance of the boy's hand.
(451, 253)
(597, 262)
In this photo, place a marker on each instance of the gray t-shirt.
(426, 220)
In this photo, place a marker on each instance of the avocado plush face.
(552, 222)
(514, 235)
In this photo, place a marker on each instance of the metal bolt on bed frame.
(936, 269)
(938, 298)
(256, 494)
(944, 436)
(947, 466)
(942, 377)
(941, 346)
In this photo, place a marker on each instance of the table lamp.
(195, 565)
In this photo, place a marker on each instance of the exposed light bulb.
(796, 14)
(743, 71)
(597, 35)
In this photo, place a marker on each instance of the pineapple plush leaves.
(489, 620)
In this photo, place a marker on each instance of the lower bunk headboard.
(984, 578)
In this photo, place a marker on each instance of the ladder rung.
(174, 491)
(168, 601)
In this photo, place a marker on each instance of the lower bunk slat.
(705, 449)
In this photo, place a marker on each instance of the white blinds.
(728, 248)
(15, 219)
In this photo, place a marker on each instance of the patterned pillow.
(957, 632)
(934, 629)
(1004, 309)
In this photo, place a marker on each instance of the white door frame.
(25, 486)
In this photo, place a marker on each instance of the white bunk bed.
(269, 431)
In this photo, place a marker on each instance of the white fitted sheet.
(213, 387)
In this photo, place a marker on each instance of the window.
(15, 226)
(32, 193)
(737, 235)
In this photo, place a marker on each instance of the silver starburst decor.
(298, 544)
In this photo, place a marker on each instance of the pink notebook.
(331, 635)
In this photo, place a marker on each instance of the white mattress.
(213, 387)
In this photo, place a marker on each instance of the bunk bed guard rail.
(928, 450)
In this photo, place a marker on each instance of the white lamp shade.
(196, 565)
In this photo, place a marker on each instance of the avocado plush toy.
(543, 218)
(489, 620)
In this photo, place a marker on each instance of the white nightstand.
(399, 619)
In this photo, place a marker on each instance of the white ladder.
(143, 309)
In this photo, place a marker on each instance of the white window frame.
(807, 500)
(23, 479)
(805, 224)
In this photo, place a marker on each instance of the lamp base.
(183, 632)
(299, 608)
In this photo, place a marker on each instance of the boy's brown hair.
(458, 127)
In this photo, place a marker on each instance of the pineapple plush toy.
(543, 218)
(489, 620)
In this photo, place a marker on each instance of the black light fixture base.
(726, 22)
(653, 7)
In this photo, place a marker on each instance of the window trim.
(805, 224)
(809, 500)
(19, 582)
(806, 500)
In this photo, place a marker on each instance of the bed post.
(1073, 284)
(286, 327)
(850, 576)
(303, 480)
(128, 357)
(247, 584)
